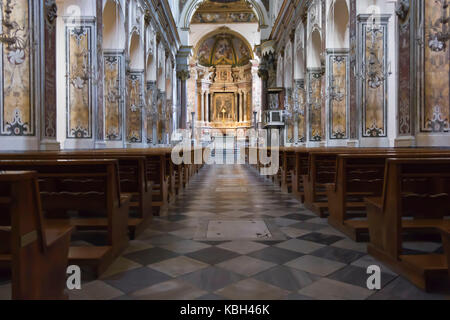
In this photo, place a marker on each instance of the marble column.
(236, 103)
(183, 76)
(48, 102)
(202, 118)
(100, 137)
(207, 106)
(245, 106)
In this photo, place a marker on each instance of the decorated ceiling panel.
(225, 11)
(224, 49)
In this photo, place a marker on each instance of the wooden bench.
(359, 176)
(36, 254)
(445, 233)
(420, 190)
(300, 169)
(287, 167)
(133, 180)
(322, 169)
(86, 195)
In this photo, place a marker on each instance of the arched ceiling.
(223, 48)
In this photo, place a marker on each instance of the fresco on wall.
(160, 129)
(300, 106)
(339, 100)
(436, 107)
(134, 110)
(223, 50)
(113, 94)
(225, 11)
(17, 111)
(374, 89)
(224, 17)
(151, 108)
(79, 84)
(315, 106)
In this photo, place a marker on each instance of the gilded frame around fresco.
(344, 54)
(365, 131)
(70, 24)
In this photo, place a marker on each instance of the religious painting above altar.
(224, 107)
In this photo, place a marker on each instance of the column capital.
(183, 75)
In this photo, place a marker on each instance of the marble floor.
(300, 258)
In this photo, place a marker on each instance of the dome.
(224, 49)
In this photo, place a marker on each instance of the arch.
(136, 52)
(314, 49)
(192, 5)
(113, 26)
(221, 30)
(338, 25)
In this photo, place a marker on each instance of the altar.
(224, 83)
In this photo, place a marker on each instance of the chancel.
(224, 150)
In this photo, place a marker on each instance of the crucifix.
(223, 114)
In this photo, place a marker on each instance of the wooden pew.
(300, 169)
(420, 189)
(92, 189)
(359, 176)
(133, 180)
(287, 168)
(322, 170)
(445, 233)
(36, 254)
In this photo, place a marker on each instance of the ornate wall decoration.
(160, 106)
(134, 108)
(225, 17)
(79, 64)
(300, 107)
(374, 69)
(223, 49)
(151, 97)
(231, 11)
(113, 93)
(315, 105)
(405, 101)
(435, 111)
(17, 110)
(338, 97)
